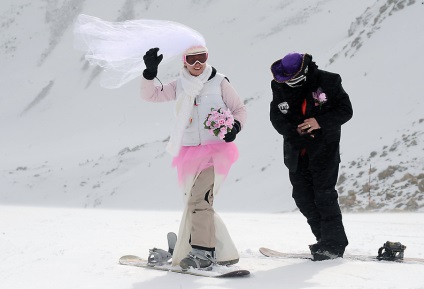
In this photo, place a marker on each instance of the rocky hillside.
(391, 178)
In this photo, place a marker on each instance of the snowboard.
(161, 261)
(214, 272)
(277, 254)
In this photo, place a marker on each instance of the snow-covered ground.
(50, 248)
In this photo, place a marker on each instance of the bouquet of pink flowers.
(219, 122)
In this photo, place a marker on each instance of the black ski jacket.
(286, 114)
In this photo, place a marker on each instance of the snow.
(79, 248)
(84, 177)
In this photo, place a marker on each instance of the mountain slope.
(67, 141)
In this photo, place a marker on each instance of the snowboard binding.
(391, 251)
(159, 257)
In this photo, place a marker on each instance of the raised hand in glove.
(152, 60)
(231, 135)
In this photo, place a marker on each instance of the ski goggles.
(296, 82)
(191, 59)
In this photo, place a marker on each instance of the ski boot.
(321, 252)
(391, 251)
(198, 259)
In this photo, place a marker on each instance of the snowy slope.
(66, 141)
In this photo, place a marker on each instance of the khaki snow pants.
(202, 213)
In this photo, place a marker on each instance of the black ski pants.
(317, 199)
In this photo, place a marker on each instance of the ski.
(278, 254)
(214, 271)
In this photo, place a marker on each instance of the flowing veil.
(119, 47)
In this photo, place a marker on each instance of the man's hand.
(307, 126)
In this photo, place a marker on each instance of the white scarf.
(191, 87)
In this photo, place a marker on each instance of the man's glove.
(152, 60)
(231, 135)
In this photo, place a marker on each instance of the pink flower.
(319, 97)
(219, 122)
(322, 97)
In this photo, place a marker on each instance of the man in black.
(308, 108)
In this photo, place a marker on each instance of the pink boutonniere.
(319, 97)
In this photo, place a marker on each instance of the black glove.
(231, 135)
(152, 60)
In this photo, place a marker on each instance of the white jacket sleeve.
(156, 93)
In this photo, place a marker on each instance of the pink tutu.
(194, 159)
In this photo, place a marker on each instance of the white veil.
(119, 47)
